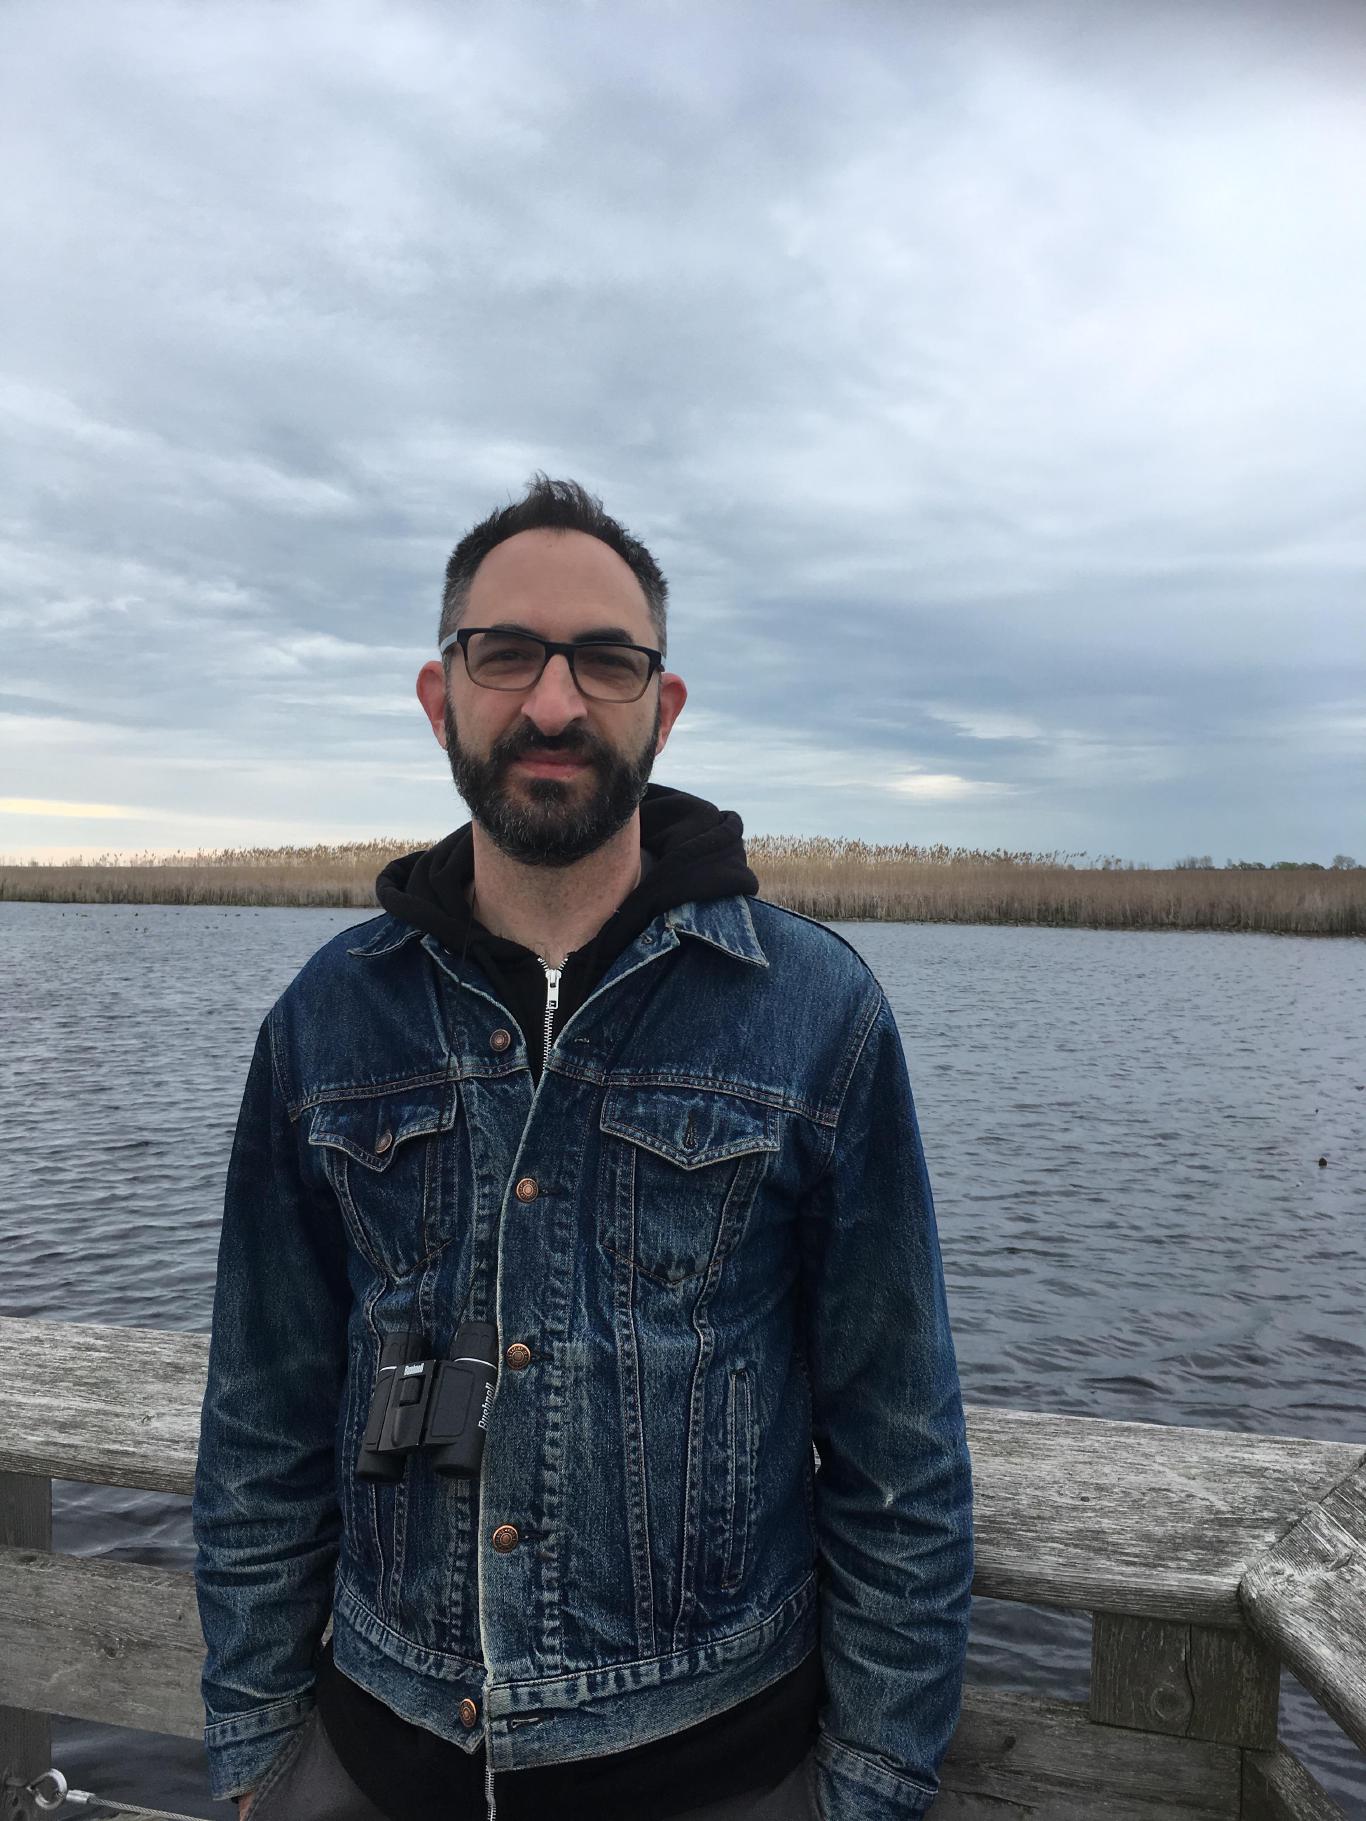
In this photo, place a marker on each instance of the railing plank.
(113, 1406)
(1138, 1518)
(1016, 1755)
(1307, 1598)
(100, 1640)
(1277, 1787)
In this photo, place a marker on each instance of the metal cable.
(49, 1792)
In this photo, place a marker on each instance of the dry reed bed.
(829, 879)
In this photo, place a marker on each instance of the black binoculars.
(439, 1405)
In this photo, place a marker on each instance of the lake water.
(1124, 1131)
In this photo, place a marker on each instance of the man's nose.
(555, 701)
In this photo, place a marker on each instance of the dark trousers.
(307, 1783)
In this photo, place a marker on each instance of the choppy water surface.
(1124, 1131)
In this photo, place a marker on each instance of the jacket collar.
(724, 923)
(390, 934)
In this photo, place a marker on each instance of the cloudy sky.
(988, 380)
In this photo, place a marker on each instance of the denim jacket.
(710, 1226)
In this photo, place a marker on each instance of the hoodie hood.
(690, 851)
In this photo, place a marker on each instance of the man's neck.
(553, 910)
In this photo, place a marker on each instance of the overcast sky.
(989, 382)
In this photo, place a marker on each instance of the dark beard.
(545, 830)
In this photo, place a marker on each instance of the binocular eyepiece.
(439, 1405)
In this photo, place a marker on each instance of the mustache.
(518, 742)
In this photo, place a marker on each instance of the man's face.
(549, 774)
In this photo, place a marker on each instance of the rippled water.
(1124, 1131)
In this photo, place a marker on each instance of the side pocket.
(740, 1487)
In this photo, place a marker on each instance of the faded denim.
(731, 1253)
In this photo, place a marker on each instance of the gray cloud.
(986, 381)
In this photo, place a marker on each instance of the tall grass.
(340, 876)
(833, 880)
(852, 880)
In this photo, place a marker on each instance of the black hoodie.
(690, 851)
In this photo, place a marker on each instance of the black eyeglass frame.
(552, 648)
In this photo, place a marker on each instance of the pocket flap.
(373, 1127)
(689, 1126)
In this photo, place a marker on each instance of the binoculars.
(439, 1405)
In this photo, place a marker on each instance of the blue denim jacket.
(710, 1223)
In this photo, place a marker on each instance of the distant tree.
(1196, 863)
(1296, 866)
(1246, 866)
(1344, 863)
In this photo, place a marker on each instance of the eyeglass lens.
(505, 660)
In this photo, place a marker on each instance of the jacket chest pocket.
(685, 1165)
(391, 1159)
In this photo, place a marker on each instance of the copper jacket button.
(500, 1039)
(383, 1142)
(506, 1539)
(518, 1356)
(527, 1189)
(468, 1712)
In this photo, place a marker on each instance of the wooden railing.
(1207, 1560)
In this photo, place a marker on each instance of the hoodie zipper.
(552, 1005)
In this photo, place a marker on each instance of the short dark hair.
(557, 506)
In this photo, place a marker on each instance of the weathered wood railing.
(1207, 1560)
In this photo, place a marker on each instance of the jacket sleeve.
(893, 1493)
(266, 1518)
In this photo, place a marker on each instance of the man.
(583, 1108)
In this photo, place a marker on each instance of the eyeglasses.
(602, 669)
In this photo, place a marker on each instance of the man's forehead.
(550, 565)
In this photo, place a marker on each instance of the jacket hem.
(587, 1713)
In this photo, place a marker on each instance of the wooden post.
(1191, 1681)
(25, 1523)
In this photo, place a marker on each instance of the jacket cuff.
(851, 1786)
(241, 1750)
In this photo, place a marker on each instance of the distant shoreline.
(833, 881)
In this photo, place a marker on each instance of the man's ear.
(431, 692)
(673, 693)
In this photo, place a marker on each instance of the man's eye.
(506, 655)
(614, 661)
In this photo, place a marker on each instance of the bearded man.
(580, 1345)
